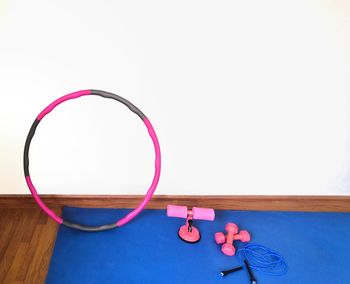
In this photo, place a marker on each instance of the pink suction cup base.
(189, 237)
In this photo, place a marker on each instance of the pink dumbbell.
(232, 235)
(188, 232)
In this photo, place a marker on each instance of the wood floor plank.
(28, 273)
(12, 218)
(15, 240)
(31, 218)
(21, 275)
(4, 226)
(17, 264)
(38, 267)
(43, 218)
(2, 212)
(27, 238)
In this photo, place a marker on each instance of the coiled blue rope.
(263, 259)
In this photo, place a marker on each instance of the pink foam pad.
(203, 213)
(176, 211)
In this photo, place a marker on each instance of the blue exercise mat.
(148, 249)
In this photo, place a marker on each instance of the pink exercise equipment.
(157, 163)
(188, 232)
(232, 235)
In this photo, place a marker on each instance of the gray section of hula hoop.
(26, 147)
(108, 95)
(89, 228)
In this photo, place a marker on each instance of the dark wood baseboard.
(233, 202)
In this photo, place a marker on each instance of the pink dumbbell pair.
(232, 235)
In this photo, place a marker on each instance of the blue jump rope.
(260, 258)
(263, 259)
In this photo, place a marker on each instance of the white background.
(247, 97)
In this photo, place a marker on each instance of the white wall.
(247, 97)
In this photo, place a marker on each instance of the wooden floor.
(27, 238)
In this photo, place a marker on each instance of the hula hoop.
(150, 191)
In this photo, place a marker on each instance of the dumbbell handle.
(229, 238)
(197, 212)
(237, 237)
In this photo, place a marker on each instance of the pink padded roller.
(203, 213)
(176, 211)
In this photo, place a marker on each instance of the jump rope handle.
(226, 272)
(250, 272)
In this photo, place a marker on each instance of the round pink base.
(190, 237)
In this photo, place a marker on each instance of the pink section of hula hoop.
(40, 203)
(70, 96)
(153, 186)
(150, 191)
